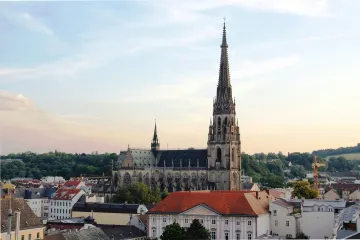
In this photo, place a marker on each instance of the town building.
(24, 223)
(106, 213)
(61, 204)
(216, 167)
(226, 214)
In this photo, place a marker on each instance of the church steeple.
(155, 145)
(224, 103)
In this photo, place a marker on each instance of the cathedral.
(218, 167)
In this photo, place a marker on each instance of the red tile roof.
(65, 194)
(223, 202)
(71, 183)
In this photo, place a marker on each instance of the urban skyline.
(86, 76)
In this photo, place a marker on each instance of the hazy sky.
(86, 76)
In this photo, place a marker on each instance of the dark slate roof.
(123, 232)
(106, 207)
(354, 236)
(86, 234)
(28, 219)
(247, 186)
(175, 155)
(35, 192)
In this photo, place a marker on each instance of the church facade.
(218, 167)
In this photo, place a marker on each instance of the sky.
(93, 76)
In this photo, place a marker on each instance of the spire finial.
(224, 21)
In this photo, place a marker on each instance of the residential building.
(94, 233)
(192, 169)
(61, 204)
(106, 213)
(52, 180)
(28, 224)
(284, 220)
(226, 214)
(329, 195)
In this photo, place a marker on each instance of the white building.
(284, 220)
(226, 214)
(61, 204)
(52, 180)
(315, 218)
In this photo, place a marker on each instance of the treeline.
(341, 150)
(270, 169)
(56, 164)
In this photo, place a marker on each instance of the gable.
(200, 210)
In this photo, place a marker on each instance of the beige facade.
(26, 234)
(106, 218)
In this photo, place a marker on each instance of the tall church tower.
(224, 143)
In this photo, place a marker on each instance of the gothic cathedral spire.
(224, 103)
(155, 145)
(224, 145)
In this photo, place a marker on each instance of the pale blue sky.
(85, 76)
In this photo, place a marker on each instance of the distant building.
(63, 201)
(105, 213)
(217, 167)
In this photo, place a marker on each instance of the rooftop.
(106, 207)
(222, 202)
(28, 219)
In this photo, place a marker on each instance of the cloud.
(188, 88)
(246, 69)
(188, 10)
(28, 21)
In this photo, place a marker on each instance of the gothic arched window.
(218, 155)
(233, 154)
(127, 179)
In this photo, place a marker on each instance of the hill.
(339, 151)
(348, 156)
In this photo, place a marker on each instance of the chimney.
(257, 194)
(267, 191)
(17, 226)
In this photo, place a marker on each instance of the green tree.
(138, 193)
(302, 189)
(173, 232)
(298, 171)
(197, 231)
(301, 236)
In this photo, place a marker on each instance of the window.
(226, 222)
(226, 236)
(186, 220)
(201, 221)
(326, 237)
(213, 221)
(238, 236)
(29, 237)
(288, 236)
(213, 235)
(154, 232)
(287, 223)
(249, 223)
(238, 223)
(275, 213)
(249, 236)
(22, 237)
(164, 219)
(330, 209)
(38, 235)
(276, 223)
(153, 219)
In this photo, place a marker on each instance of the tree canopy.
(302, 189)
(173, 232)
(196, 231)
(67, 165)
(138, 193)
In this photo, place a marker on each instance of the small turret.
(155, 145)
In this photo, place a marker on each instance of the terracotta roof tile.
(66, 194)
(71, 183)
(223, 202)
(275, 193)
